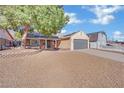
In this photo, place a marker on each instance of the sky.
(94, 18)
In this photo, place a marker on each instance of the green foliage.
(8, 12)
(48, 20)
(18, 35)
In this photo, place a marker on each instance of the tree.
(18, 35)
(9, 17)
(15, 16)
(47, 20)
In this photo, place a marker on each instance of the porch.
(42, 43)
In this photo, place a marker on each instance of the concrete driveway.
(104, 54)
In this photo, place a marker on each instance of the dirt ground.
(64, 69)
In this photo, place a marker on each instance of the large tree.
(47, 20)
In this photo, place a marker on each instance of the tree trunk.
(25, 36)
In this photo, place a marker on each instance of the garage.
(80, 44)
(73, 41)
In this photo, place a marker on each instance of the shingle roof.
(70, 34)
(93, 37)
(38, 35)
(5, 35)
(12, 33)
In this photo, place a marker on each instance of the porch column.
(55, 43)
(45, 43)
(39, 43)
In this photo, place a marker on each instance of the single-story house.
(36, 39)
(97, 39)
(73, 41)
(5, 39)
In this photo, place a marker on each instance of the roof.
(93, 37)
(5, 34)
(38, 35)
(68, 35)
(12, 33)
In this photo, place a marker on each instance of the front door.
(48, 43)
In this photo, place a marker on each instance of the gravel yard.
(60, 69)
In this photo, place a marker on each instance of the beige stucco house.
(74, 41)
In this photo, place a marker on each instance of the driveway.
(104, 54)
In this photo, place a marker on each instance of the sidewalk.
(104, 54)
(112, 50)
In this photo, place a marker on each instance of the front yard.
(60, 69)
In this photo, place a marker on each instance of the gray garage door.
(80, 44)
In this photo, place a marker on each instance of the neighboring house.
(97, 39)
(73, 41)
(36, 39)
(5, 39)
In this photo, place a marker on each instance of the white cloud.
(63, 31)
(118, 35)
(73, 18)
(104, 14)
(103, 20)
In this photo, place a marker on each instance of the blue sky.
(96, 18)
